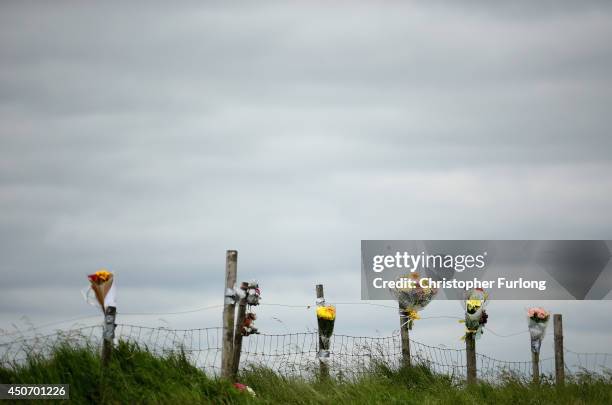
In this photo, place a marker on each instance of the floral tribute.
(413, 299)
(102, 284)
(475, 315)
(537, 319)
(248, 326)
(244, 388)
(326, 317)
(252, 294)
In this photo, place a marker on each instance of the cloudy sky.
(151, 139)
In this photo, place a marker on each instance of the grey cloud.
(151, 138)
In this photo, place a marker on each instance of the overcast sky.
(150, 139)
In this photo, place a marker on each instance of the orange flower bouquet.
(101, 283)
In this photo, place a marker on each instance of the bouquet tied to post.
(252, 294)
(326, 317)
(475, 315)
(413, 299)
(103, 286)
(537, 319)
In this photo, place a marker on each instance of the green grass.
(134, 375)
(137, 376)
(418, 385)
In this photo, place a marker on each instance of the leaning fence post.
(229, 309)
(108, 334)
(241, 316)
(470, 352)
(323, 367)
(559, 363)
(405, 337)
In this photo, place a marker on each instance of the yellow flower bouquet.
(475, 314)
(327, 312)
(326, 317)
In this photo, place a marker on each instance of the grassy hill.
(137, 376)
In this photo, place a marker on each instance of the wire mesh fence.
(18, 350)
(295, 354)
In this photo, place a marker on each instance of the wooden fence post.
(108, 334)
(405, 337)
(238, 331)
(559, 363)
(470, 352)
(535, 367)
(229, 311)
(323, 367)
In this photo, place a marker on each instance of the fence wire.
(295, 354)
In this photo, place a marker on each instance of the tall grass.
(418, 385)
(135, 375)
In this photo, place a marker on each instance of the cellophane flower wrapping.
(103, 286)
(475, 315)
(326, 317)
(537, 322)
(413, 300)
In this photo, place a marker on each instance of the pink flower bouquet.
(537, 319)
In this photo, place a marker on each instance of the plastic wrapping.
(475, 314)
(537, 322)
(103, 287)
(413, 300)
(253, 293)
(110, 300)
(326, 317)
(248, 326)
